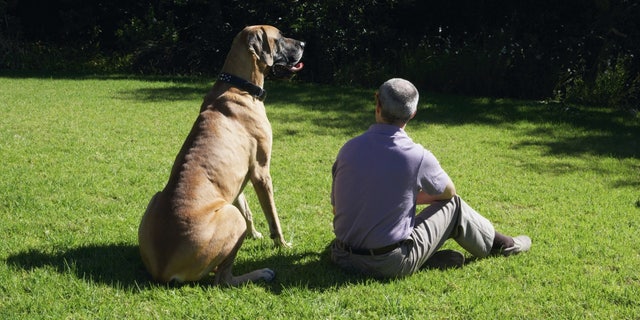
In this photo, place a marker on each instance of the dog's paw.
(281, 243)
(255, 234)
(267, 274)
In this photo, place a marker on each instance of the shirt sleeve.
(333, 176)
(432, 179)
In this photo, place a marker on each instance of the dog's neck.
(243, 84)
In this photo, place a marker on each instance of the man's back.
(375, 187)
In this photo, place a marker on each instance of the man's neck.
(398, 124)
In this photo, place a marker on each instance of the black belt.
(368, 252)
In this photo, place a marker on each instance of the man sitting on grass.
(378, 179)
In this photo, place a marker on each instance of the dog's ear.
(260, 45)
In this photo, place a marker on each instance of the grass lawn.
(81, 157)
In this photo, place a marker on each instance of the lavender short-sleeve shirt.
(376, 178)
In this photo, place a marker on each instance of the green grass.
(81, 156)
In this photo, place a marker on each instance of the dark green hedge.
(576, 50)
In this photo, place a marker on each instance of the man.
(378, 179)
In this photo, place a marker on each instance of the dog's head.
(273, 51)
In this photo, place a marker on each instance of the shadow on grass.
(173, 93)
(112, 264)
(312, 271)
(119, 266)
(602, 132)
(345, 109)
(307, 270)
(349, 110)
(595, 131)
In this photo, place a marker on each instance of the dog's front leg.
(261, 181)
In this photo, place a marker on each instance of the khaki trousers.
(453, 219)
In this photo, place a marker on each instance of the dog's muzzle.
(290, 62)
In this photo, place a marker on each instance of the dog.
(197, 223)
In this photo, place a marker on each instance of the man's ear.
(259, 45)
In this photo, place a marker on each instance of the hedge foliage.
(576, 50)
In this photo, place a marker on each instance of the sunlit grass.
(82, 156)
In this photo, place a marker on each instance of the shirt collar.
(384, 128)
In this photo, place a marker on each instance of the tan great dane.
(198, 222)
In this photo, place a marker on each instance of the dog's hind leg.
(224, 275)
(230, 220)
(243, 206)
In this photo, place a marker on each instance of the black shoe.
(445, 259)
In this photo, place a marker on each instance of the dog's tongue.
(297, 67)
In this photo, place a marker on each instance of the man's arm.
(447, 194)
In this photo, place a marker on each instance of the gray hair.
(398, 99)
